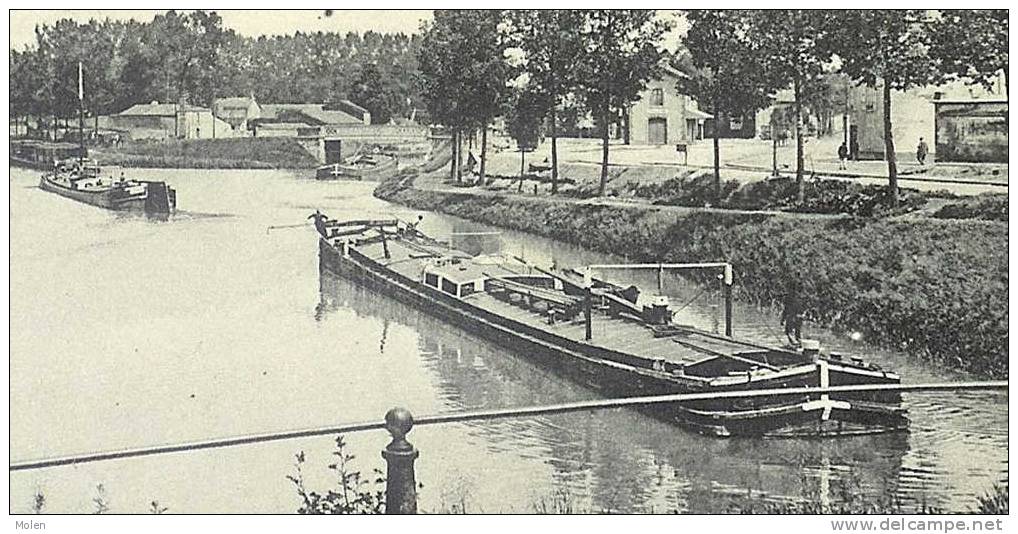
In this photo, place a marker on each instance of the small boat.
(82, 180)
(365, 167)
(614, 339)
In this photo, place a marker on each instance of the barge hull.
(616, 379)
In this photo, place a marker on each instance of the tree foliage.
(788, 48)
(724, 71)
(971, 43)
(621, 55)
(190, 57)
(463, 70)
(886, 49)
(551, 48)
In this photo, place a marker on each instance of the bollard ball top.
(399, 421)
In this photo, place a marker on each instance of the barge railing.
(400, 455)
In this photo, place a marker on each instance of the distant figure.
(471, 162)
(853, 149)
(842, 156)
(320, 219)
(411, 228)
(921, 151)
(792, 316)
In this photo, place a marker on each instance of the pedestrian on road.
(921, 151)
(842, 156)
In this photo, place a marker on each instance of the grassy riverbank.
(235, 153)
(936, 288)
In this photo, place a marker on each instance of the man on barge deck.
(792, 316)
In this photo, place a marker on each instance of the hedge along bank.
(936, 288)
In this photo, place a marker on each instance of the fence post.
(728, 279)
(399, 454)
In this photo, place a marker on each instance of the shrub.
(354, 494)
(987, 206)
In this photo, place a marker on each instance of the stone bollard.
(399, 454)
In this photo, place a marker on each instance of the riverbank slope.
(232, 153)
(936, 288)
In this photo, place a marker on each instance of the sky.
(251, 23)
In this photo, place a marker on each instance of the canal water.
(129, 332)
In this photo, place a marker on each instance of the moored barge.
(613, 339)
(365, 167)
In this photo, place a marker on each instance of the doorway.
(333, 151)
(657, 131)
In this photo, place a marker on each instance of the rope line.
(489, 415)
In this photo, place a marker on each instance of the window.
(431, 279)
(735, 123)
(448, 287)
(467, 289)
(657, 97)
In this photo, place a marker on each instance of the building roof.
(313, 114)
(271, 111)
(281, 125)
(328, 116)
(969, 101)
(672, 71)
(155, 109)
(351, 107)
(697, 114)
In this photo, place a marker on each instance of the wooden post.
(588, 334)
(399, 455)
(728, 279)
(385, 243)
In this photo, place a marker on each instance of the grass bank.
(936, 288)
(235, 153)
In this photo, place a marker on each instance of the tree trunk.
(774, 151)
(799, 159)
(484, 151)
(452, 159)
(459, 157)
(604, 148)
(892, 160)
(717, 155)
(554, 150)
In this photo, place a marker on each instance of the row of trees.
(525, 65)
(191, 58)
(739, 57)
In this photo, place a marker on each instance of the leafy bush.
(934, 288)
(779, 194)
(354, 494)
(987, 206)
(693, 191)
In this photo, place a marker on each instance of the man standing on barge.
(792, 316)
